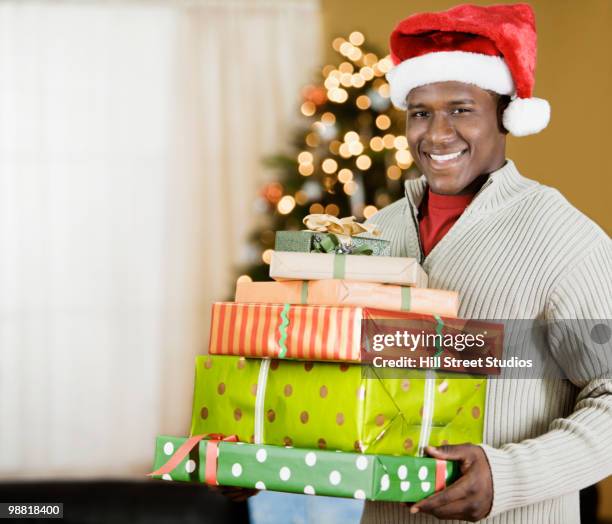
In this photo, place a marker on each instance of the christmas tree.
(350, 154)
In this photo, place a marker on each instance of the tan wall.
(574, 154)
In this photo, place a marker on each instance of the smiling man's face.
(454, 134)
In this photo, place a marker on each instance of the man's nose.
(441, 129)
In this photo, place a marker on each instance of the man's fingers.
(457, 491)
(455, 510)
(449, 452)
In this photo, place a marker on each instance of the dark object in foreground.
(124, 502)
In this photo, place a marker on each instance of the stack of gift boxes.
(281, 402)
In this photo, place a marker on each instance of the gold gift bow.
(344, 227)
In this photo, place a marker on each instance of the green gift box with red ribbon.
(296, 470)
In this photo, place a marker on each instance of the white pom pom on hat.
(526, 116)
(491, 47)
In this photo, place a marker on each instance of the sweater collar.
(503, 186)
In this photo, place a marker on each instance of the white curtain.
(131, 138)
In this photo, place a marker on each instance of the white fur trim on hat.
(485, 71)
(526, 116)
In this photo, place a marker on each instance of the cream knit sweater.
(521, 251)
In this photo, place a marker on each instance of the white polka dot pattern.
(168, 448)
(284, 473)
(402, 472)
(384, 482)
(335, 478)
(361, 463)
(236, 469)
(261, 455)
(310, 458)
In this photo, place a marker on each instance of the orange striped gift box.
(284, 331)
(309, 332)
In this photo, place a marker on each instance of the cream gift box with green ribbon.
(295, 470)
(403, 271)
(335, 406)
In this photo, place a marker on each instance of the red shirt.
(437, 214)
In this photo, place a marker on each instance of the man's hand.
(235, 494)
(471, 496)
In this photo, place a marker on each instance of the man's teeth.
(445, 158)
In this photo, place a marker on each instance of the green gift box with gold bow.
(295, 470)
(313, 242)
(335, 406)
(329, 234)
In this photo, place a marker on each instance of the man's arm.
(575, 452)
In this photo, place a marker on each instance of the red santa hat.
(491, 47)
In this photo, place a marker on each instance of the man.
(514, 249)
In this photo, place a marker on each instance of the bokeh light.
(356, 38)
(363, 102)
(345, 175)
(376, 143)
(400, 142)
(308, 108)
(383, 122)
(329, 166)
(394, 172)
(368, 211)
(332, 209)
(266, 256)
(305, 169)
(285, 205)
(363, 162)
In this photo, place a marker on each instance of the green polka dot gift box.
(324, 405)
(296, 470)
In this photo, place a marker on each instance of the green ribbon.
(282, 330)
(339, 266)
(361, 250)
(329, 243)
(406, 298)
(326, 244)
(304, 292)
(439, 326)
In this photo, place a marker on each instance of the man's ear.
(502, 104)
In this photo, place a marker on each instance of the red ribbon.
(210, 471)
(440, 475)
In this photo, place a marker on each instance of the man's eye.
(419, 114)
(460, 110)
